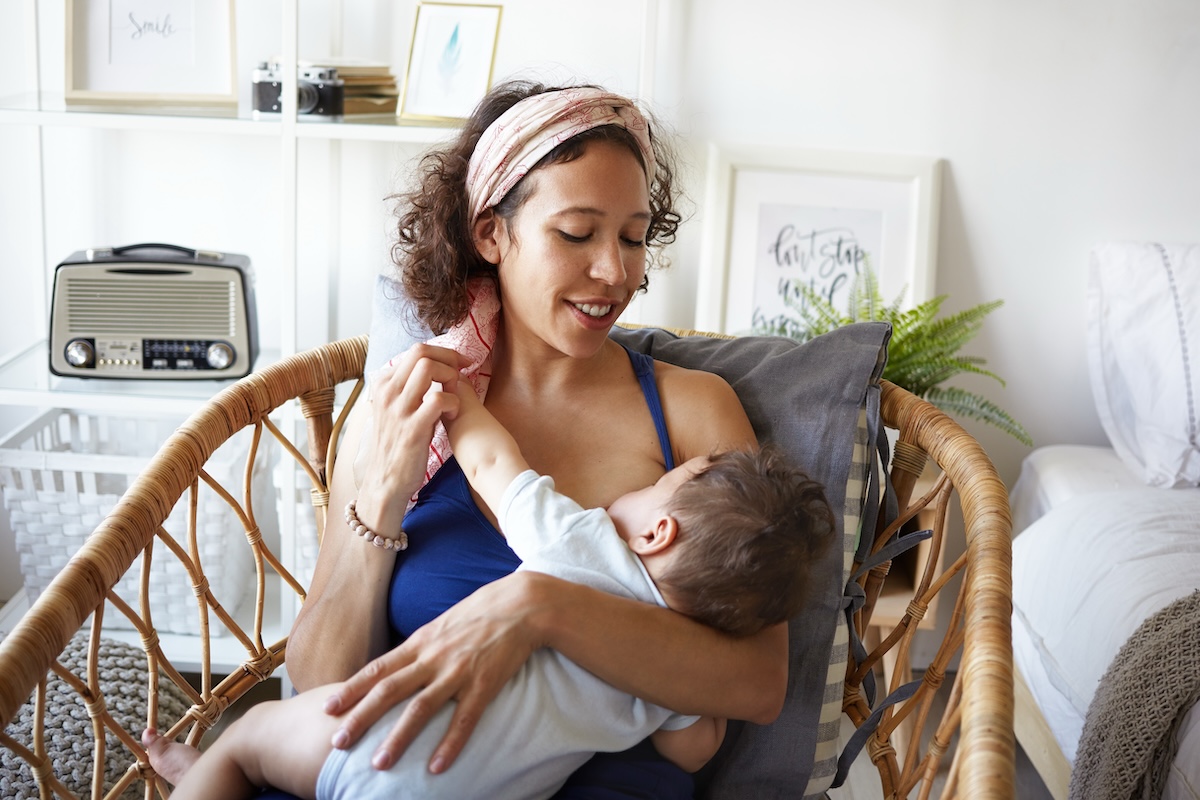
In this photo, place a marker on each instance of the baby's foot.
(170, 759)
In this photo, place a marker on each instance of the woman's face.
(575, 253)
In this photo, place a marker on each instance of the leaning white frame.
(921, 174)
(214, 79)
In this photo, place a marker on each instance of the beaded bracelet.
(358, 529)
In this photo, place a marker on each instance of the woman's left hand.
(466, 654)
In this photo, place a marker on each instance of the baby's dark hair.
(750, 527)
(435, 250)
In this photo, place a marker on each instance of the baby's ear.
(656, 538)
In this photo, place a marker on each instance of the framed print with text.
(778, 218)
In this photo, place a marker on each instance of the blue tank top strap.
(643, 367)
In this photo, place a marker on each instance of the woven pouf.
(68, 730)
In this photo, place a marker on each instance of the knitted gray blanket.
(1129, 735)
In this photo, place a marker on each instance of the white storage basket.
(304, 539)
(64, 471)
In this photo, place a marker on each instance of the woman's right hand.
(406, 398)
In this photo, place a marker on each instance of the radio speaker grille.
(174, 308)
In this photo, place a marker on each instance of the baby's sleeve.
(533, 515)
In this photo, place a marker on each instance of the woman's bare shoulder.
(703, 412)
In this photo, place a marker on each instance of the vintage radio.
(153, 311)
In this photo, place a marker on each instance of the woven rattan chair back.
(970, 745)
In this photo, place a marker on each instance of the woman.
(547, 203)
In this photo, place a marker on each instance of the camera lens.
(307, 97)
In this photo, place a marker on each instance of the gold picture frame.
(450, 61)
(151, 52)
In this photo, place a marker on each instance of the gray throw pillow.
(818, 402)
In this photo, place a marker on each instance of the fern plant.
(923, 352)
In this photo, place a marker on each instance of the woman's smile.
(593, 310)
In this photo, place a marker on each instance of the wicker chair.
(977, 723)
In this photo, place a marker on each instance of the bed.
(1107, 536)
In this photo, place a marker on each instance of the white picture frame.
(450, 61)
(775, 216)
(158, 52)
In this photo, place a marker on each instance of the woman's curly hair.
(435, 251)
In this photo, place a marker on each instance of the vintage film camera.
(320, 92)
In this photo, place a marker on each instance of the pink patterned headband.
(533, 127)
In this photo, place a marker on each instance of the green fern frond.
(968, 404)
(815, 314)
(957, 329)
(924, 349)
(865, 301)
(924, 377)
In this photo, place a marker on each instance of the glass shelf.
(131, 119)
(376, 128)
(25, 380)
(365, 127)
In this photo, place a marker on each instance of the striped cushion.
(826, 755)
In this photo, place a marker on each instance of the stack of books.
(370, 87)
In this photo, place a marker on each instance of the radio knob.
(219, 355)
(79, 353)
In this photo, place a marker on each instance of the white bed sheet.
(1101, 552)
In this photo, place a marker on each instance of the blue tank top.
(453, 548)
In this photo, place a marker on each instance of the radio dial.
(79, 353)
(219, 355)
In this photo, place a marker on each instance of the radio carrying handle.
(107, 252)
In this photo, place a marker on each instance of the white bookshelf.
(304, 199)
(34, 113)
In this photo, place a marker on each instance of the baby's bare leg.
(282, 744)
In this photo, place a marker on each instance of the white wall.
(1062, 124)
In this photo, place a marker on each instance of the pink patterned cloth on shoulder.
(474, 338)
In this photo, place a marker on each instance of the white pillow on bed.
(1144, 356)
(1054, 473)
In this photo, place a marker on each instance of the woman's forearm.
(665, 657)
(343, 627)
(343, 622)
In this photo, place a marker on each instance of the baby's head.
(748, 527)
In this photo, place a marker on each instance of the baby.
(726, 540)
